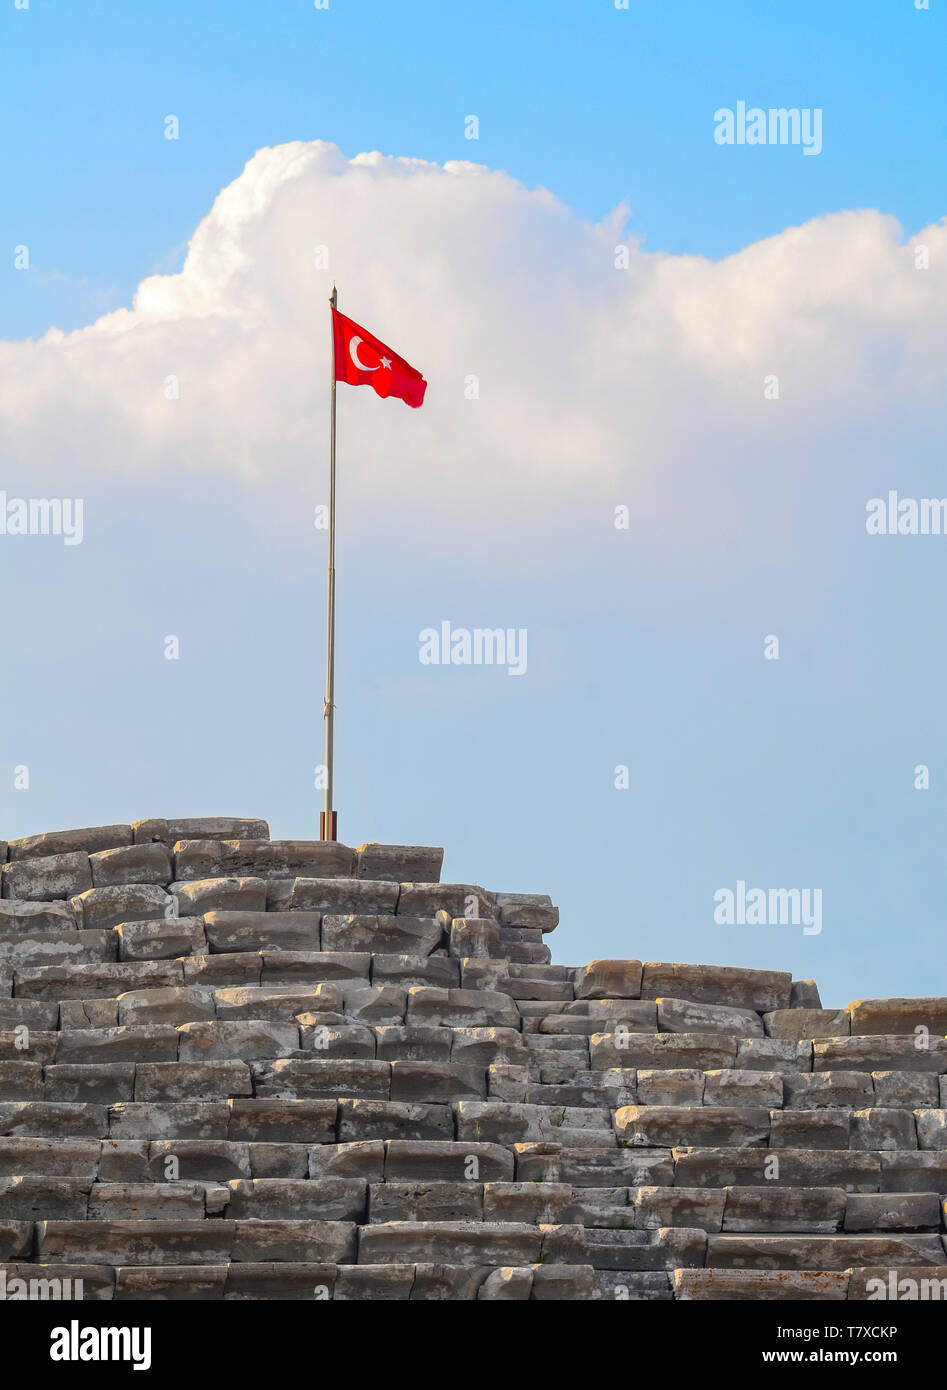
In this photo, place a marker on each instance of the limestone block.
(283, 1121)
(916, 1052)
(811, 1129)
(98, 1083)
(333, 895)
(57, 842)
(464, 1242)
(24, 950)
(227, 894)
(719, 1167)
(200, 828)
(817, 1210)
(29, 1119)
(344, 968)
(828, 1089)
(456, 899)
(365, 1161)
(318, 1199)
(885, 1016)
(276, 1003)
(649, 1126)
(199, 1119)
(508, 1284)
(145, 1043)
(732, 1086)
(881, 1128)
(758, 1285)
(475, 939)
(441, 972)
(684, 1016)
(436, 1081)
(426, 1201)
(552, 1283)
(327, 1078)
(783, 1055)
(416, 936)
(279, 1160)
(104, 908)
(86, 1013)
(262, 931)
(807, 1023)
(16, 914)
(164, 940)
(170, 1201)
(266, 859)
(821, 1252)
(374, 1283)
(655, 1207)
(175, 1004)
(609, 979)
(75, 1158)
(376, 1004)
(330, 1040)
(132, 864)
(244, 1039)
(753, 991)
(805, 995)
(400, 863)
(461, 1007)
(666, 1051)
(199, 1160)
(931, 1130)
(923, 1170)
(893, 1211)
(242, 969)
(51, 876)
(176, 1081)
(374, 1119)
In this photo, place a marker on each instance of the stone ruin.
(242, 1068)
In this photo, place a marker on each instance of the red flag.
(361, 359)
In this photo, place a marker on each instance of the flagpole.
(328, 820)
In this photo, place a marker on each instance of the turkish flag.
(361, 359)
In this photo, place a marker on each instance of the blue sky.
(645, 647)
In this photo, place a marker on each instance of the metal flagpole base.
(333, 829)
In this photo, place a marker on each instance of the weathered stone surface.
(821, 1252)
(874, 1016)
(447, 1161)
(374, 1283)
(684, 1016)
(722, 1167)
(455, 899)
(174, 1081)
(758, 991)
(77, 1158)
(922, 1170)
(677, 1086)
(242, 1038)
(700, 1051)
(782, 1055)
(171, 1201)
(243, 968)
(400, 863)
(732, 1086)
(882, 1128)
(807, 1023)
(471, 1008)
(810, 1129)
(818, 1210)
(609, 979)
(52, 876)
(439, 972)
(508, 1284)
(668, 1126)
(918, 1052)
(200, 828)
(201, 1119)
(365, 1161)
(162, 940)
(375, 1005)
(475, 939)
(436, 1081)
(757, 1285)
(199, 859)
(373, 1119)
(283, 1121)
(298, 1281)
(396, 935)
(222, 894)
(16, 914)
(22, 949)
(312, 967)
(98, 1083)
(103, 908)
(931, 1130)
(328, 895)
(262, 931)
(176, 1004)
(893, 1211)
(150, 1043)
(325, 1078)
(57, 842)
(319, 1199)
(461, 1242)
(276, 1002)
(145, 863)
(430, 1201)
(805, 995)
(828, 1089)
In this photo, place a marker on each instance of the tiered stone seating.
(232, 1067)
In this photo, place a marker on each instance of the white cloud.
(616, 384)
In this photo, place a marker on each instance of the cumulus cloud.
(616, 383)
